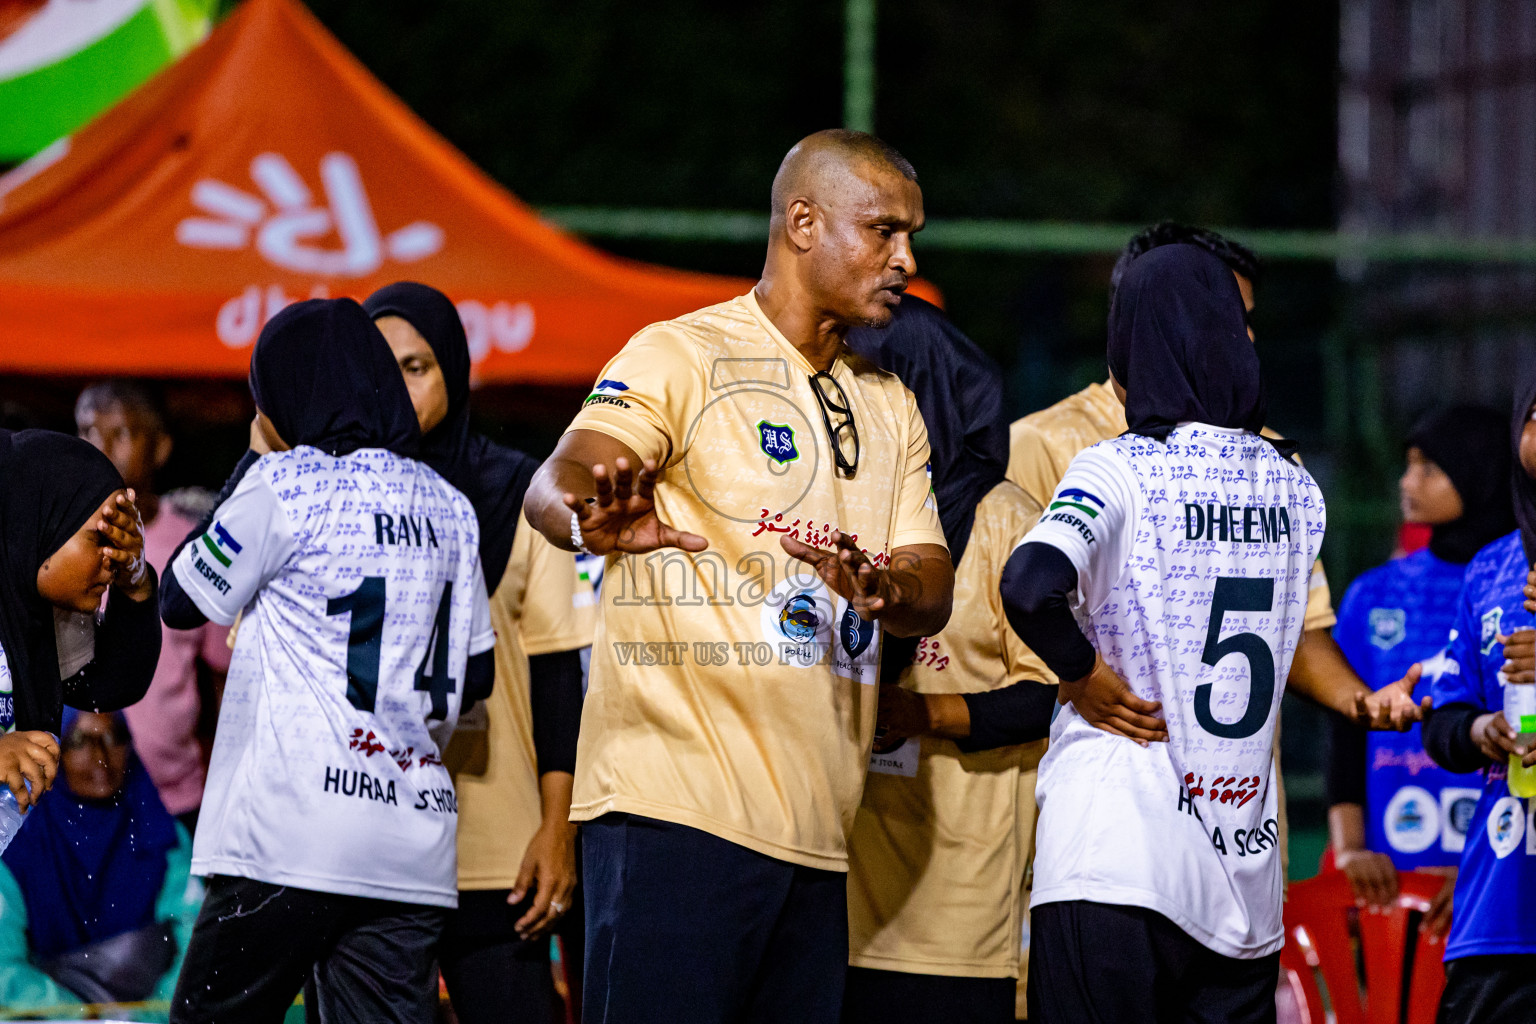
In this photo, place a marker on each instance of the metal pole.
(859, 65)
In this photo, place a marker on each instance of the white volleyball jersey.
(359, 578)
(1193, 562)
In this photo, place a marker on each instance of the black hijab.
(1523, 486)
(50, 484)
(325, 377)
(1179, 345)
(493, 477)
(1467, 442)
(960, 393)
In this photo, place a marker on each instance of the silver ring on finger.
(557, 906)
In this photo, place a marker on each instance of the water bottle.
(11, 818)
(1520, 713)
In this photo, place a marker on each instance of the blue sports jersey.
(1392, 616)
(1496, 887)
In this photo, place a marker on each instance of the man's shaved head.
(845, 208)
(820, 163)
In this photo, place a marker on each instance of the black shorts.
(1095, 963)
(1489, 990)
(683, 926)
(488, 967)
(256, 945)
(895, 997)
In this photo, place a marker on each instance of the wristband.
(576, 536)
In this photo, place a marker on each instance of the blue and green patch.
(1075, 497)
(221, 544)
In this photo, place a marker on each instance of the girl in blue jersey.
(1491, 953)
(1391, 808)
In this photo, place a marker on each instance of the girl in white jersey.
(329, 818)
(1183, 549)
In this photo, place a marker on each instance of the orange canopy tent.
(266, 166)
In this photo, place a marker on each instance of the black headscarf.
(493, 477)
(1179, 345)
(1523, 486)
(1467, 442)
(50, 485)
(960, 393)
(325, 377)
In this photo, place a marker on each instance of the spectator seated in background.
(124, 420)
(96, 895)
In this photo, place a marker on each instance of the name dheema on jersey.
(1179, 604)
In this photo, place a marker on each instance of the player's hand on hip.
(902, 713)
(28, 759)
(1108, 702)
(847, 572)
(1494, 737)
(120, 525)
(549, 871)
(1372, 877)
(1393, 706)
(1530, 590)
(1520, 656)
(622, 517)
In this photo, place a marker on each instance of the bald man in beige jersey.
(762, 497)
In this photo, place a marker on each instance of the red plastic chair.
(1317, 939)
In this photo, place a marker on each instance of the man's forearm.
(544, 504)
(1321, 673)
(922, 589)
(555, 797)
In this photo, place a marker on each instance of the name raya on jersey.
(360, 582)
(1194, 559)
(1496, 886)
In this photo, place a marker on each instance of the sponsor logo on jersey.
(1491, 620)
(607, 392)
(777, 441)
(798, 618)
(1388, 627)
(1412, 820)
(221, 544)
(1075, 497)
(855, 632)
(1457, 806)
(1506, 826)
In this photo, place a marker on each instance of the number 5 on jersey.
(1239, 595)
(365, 641)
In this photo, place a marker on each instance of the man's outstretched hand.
(622, 517)
(1108, 702)
(847, 572)
(1393, 706)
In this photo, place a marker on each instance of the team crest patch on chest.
(1491, 620)
(1388, 627)
(777, 441)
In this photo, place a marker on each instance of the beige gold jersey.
(1042, 445)
(937, 859)
(541, 606)
(730, 690)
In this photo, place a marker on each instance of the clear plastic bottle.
(11, 817)
(1520, 713)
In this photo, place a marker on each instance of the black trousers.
(493, 976)
(1095, 963)
(895, 997)
(683, 926)
(255, 945)
(1489, 990)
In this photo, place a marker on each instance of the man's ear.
(800, 223)
(163, 448)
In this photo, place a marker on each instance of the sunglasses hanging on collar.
(843, 435)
